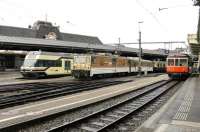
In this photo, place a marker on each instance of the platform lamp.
(139, 53)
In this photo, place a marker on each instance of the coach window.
(58, 63)
(39, 63)
(49, 63)
(86, 60)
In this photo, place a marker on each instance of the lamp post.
(139, 53)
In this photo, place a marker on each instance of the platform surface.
(180, 114)
(7, 78)
(43, 108)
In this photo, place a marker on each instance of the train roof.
(137, 58)
(178, 55)
(111, 55)
(99, 54)
(69, 55)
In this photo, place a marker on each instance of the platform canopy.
(194, 44)
(46, 36)
(196, 2)
(35, 44)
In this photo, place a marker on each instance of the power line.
(161, 42)
(176, 6)
(151, 13)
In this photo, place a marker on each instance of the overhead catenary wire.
(151, 13)
(176, 6)
(159, 23)
(164, 42)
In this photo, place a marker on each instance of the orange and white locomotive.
(179, 66)
(100, 64)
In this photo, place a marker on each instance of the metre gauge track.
(101, 115)
(50, 90)
(103, 119)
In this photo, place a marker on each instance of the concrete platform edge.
(20, 118)
(147, 125)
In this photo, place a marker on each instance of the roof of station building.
(194, 44)
(25, 41)
(42, 29)
(46, 37)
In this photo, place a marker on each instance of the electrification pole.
(118, 50)
(140, 51)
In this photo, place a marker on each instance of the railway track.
(104, 115)
(35, 86)
(32, 86)
(102, 120)
(40, 91)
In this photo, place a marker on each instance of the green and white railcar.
(43, 64)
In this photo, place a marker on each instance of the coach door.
(114, 64)
(129, 65)
(68, 65)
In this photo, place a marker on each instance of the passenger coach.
(159, 66)
(101, 64)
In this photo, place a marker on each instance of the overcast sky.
(108, 19)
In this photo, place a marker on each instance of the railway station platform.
(180, 114)
(39, 109)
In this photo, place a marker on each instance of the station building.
(15, 42)
(12, 59)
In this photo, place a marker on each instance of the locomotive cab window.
(80, 60)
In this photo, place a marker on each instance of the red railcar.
(179, 66)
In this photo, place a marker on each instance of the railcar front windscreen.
(170, 62)
(29, 62)
(183, 62)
